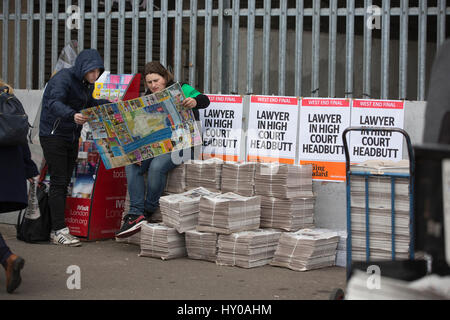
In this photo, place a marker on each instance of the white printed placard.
(222, 127)
(272, 129)
(322, 122)
(381, 145)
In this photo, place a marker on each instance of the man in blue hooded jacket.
(66, 94)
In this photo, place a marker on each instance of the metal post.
(163, 34)
(386, 25)
(17, 61)
(350, 48)
(266, 48)
(250, 45)
(282, 48)
(121, 38)
(29, 67)
(81, 4)
(149, 32)
(332, 49)
(299, 48)
(135, 38)
(403, 65)
(315, 73)
(178, 39)
(107, 37)
(193, 43)
(42, 45)
(5, 40)
(94, 24)
(67, 31)
(235, 46)
(422, 50)
(367, 60)
(208, 27)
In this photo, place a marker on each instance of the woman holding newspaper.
(143, 204)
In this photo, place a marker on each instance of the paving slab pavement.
(113, 271)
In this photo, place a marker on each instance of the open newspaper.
(127, 132)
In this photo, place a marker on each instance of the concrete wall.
(330, 209)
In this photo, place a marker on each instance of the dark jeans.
(60, 156)
(4, 251)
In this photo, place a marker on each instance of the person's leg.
(136, 190)
(13, 264)
(60, 156)
(5, 252)
(157, 178)
(136, 187)
(56, 155)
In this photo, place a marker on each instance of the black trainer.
(131, 225)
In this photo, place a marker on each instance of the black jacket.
(15, 167)
(66, 94)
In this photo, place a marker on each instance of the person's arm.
(57, 93)
(202, 101)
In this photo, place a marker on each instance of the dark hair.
(156, 67)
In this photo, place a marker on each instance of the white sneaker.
(64, 237)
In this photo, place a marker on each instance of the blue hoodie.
(66, 94)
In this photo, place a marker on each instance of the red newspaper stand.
(97, 215)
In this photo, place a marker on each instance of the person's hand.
(35, 179)
(138, 163)
(80, 119)
(189, 103)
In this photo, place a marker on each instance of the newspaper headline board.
(222, 127)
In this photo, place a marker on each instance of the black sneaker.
(131, 225)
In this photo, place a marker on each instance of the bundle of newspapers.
(341, 251)
(248, 249)
(180, 211)
(380, 211)
(201, 245)
(283, 181)
(287, 214)
(239, 178)
(204, 173)
(306, 249)
(228, 213)
(176, 180)
(160, 241)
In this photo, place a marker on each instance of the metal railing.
(222, 21)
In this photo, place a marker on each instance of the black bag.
(14, 124)
(35, 225)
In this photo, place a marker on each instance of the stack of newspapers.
(204, 173)
(228, 213)
(283, 181)
(341, 252)
(180, 211)
(239, 178)
(160, 241)
(306, 249)
(176, 180)
(247, 249)
(201, 245)
(380, 210)
(287, 214)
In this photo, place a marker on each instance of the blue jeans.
(156, 169)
